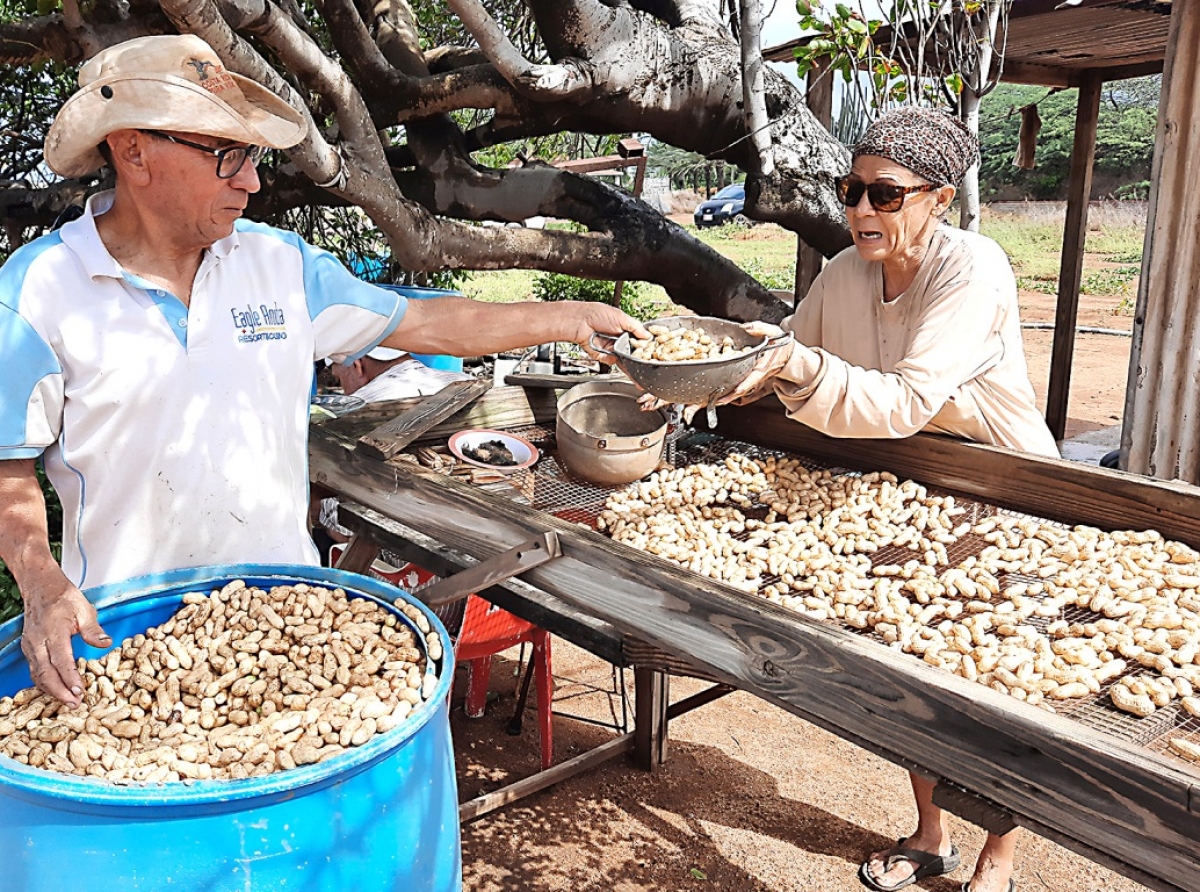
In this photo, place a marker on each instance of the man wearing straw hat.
(159, 349)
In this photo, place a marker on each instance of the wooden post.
(651, 696)
(1070, 274)
(819, 98)
(1159, 435)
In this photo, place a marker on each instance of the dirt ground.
(751, 798)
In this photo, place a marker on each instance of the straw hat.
(171, 82)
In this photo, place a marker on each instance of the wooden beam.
(515, 596)
(1159, 434)
(1070, 277)
(1030, 73)
(1137, 69)
(489, 802)
(1089, 790)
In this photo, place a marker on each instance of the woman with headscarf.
(914, 328)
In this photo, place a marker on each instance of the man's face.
(203, 205)
(351, 376)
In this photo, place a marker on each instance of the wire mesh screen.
(551, 488)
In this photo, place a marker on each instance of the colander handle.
(607, 351)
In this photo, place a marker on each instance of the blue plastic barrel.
(434, 361)
(382, 816)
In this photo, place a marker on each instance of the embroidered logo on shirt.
(262, 324)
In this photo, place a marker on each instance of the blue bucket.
(382, 816)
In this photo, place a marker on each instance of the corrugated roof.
(1050, 43)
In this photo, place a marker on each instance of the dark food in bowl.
(490, 452)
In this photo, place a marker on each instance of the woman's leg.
(931, 835)
(994, 868)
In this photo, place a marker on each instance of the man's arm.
(462, 327)
(54, 608)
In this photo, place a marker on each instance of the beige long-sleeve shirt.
(944, 357)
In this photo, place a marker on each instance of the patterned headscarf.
(934, 145)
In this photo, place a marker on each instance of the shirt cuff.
(803, 372)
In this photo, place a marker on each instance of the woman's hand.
(758, 383)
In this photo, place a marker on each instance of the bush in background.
(558, 286)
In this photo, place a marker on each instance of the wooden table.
(1117, 803)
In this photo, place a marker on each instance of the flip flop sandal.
(928, 865)
(1012, 885)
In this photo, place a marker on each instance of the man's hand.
(54, 613)
(589, 318)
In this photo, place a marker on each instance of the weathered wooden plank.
(1069, 492)
(1112, 800)
(515, 596)
(489, 802)
(389, 438)
(500, 408)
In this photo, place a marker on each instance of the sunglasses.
(229, 161)
(885, 197)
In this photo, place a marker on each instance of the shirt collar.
(82, 237)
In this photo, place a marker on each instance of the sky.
(782, 25)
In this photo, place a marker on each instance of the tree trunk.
(968, 193)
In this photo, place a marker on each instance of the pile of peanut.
(683, 344)
(238, 683)
(821, 530)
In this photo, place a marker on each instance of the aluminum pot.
(603, 435)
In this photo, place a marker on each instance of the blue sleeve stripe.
(19, 453)
(28, 360)
(328, 283)
(12, 274)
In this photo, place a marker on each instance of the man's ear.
(128, 153)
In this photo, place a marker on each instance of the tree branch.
(569, 79)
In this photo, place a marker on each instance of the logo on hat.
(212, 76)
(201, 66)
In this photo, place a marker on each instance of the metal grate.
(555, 491)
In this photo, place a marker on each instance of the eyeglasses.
(885, 197)
(229, 161)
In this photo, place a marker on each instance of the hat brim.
(164, 102)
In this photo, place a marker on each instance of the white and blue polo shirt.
(176, 436)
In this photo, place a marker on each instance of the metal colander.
(694, 382)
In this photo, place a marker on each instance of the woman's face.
(882, 236)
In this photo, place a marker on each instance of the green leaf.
(858, 26)
(804, 7)
(843, 11)
(699, 874)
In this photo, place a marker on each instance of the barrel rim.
(40, 783)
